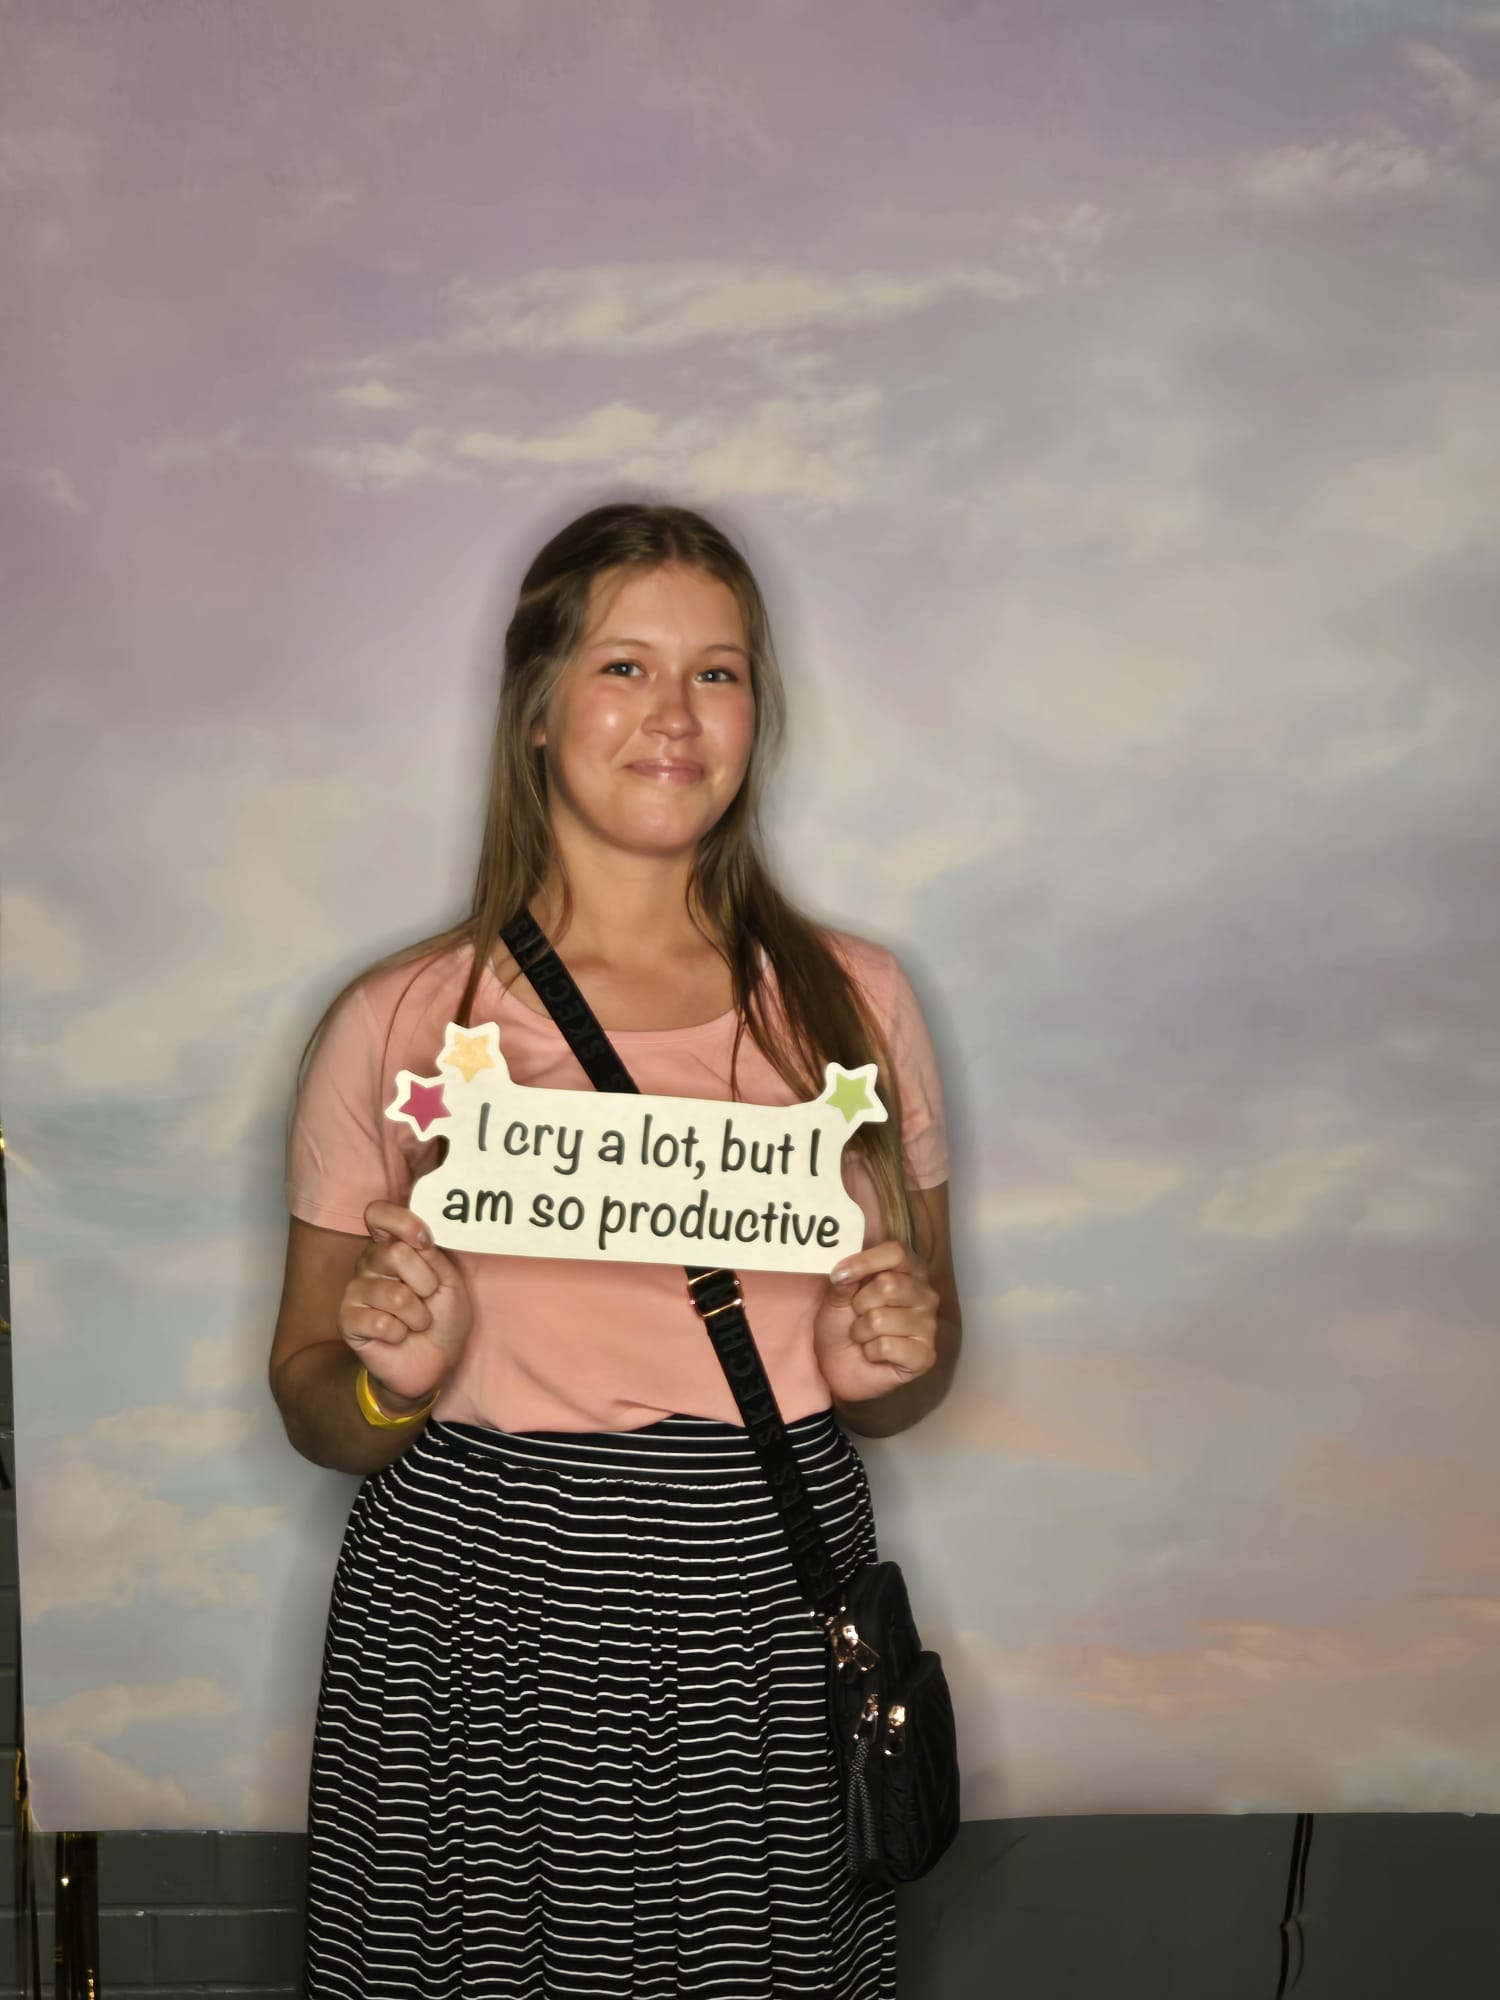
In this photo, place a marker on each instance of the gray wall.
(1398, 1908)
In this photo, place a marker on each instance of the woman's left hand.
(877, 1325)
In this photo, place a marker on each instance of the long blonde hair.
(819, 1013)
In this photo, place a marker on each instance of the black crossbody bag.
(890, 1711)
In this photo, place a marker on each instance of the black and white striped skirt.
(572, 1739)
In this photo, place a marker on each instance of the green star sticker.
(850, 1095)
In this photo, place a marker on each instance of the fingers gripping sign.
(405, 1312)
(877, 1326)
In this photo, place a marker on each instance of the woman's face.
(649, 728)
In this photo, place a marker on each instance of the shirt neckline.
(700, 1029)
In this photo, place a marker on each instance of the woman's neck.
(632, 946)
(620, 909)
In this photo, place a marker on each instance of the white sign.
(635, 1180)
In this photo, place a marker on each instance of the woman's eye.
(621, 666)
(718, 673)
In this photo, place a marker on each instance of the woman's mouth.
(668, 770)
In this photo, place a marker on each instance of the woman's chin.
(665, 836)
(660, 844)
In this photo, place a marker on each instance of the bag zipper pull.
(895, 1729)
(848, 1648)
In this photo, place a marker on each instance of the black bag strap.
(715, 1294)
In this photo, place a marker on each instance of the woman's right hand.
(406, 1311)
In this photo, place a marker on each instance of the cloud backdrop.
(1108, 399)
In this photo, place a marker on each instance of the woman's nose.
(672, 712)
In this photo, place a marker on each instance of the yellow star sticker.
(850, 1095)
(468, 1054)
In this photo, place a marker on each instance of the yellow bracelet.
(370, 1410)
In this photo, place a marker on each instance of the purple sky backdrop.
(1107, 397)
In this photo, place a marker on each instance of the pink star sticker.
(425, 1104)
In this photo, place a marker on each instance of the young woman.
(572, 1737)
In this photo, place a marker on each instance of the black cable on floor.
(1293, 1943)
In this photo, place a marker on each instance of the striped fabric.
(572, 1741)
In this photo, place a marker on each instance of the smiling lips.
(668, 771)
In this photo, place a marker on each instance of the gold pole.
(78, 1917)
(28, 1941)
(77, 1935)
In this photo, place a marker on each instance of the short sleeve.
(924, 1131)
(339, 1152)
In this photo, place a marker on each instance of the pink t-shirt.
(564, 1346)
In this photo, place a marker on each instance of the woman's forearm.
(314, 1390)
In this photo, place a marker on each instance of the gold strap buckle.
(728, 1305)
